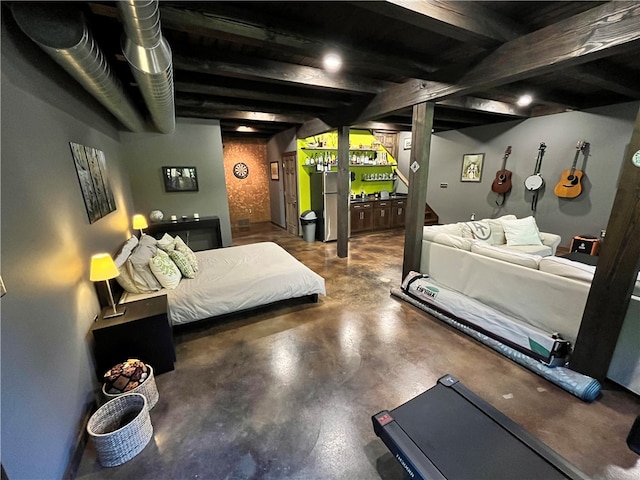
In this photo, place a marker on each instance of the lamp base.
(114, 314)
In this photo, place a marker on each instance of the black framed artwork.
(91, 167)
(180, 179)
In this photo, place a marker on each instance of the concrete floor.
(288, 391)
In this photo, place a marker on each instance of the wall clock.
(241, 170)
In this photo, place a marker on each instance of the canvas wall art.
(91, 167)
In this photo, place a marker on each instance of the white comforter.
(236, 278)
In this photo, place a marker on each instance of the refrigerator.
(324, 201)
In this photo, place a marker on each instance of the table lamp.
(139, 222)
(104, 268)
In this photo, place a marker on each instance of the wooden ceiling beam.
(601, 31)
(466, 22)
(608, 76)
(239, 115)
(279, 72)
(484, 105)
(261, 95)
(192, 101)
(248, 32)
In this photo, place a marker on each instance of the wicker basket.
(120, 429)
(147, 388)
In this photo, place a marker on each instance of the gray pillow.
(141, 274)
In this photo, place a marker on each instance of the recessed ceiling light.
(244, 128)
(525, 100)
(332, 62)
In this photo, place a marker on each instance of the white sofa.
(525, 281)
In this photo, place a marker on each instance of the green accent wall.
(369, 178)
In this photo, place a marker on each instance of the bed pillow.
(165, 270)
(142, 276)
(167, 242)
(125, 251)
(523, 231)
(183, 264)
(124, 279)
(186, 251)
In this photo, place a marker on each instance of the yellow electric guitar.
(570, 185)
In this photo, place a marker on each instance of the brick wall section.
(249, 197)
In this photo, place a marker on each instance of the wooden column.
(417, 196)
(615, 275)
(343, 192)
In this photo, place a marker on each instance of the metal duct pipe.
(62, 32)
(149, 55)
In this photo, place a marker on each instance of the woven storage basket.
(120, 429)
(147, 388)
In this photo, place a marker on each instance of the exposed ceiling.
(259, 64)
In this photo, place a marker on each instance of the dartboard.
(241, 170)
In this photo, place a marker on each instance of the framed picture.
(472, 167)
(407, 143)
(275, 174)
(91, 167)
(180, 179)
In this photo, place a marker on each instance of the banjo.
(535, 182)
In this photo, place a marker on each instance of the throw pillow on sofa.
(523, 231)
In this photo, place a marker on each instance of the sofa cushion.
(500, 253)
(453, 241)
(429, 232)
(564, 267)
(523, 231)
(489, 229)
(542, 250)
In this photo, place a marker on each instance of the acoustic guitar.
(502, 182)
(570, 185)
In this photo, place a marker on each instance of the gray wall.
(47, 241)
(278, 144)
(196, 143)
(607, 129)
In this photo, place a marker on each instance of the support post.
(617, 270)
(343, 192)
(422, 124)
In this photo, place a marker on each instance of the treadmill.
(449, 433)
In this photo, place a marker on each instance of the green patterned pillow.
(165, 270)
(183, 263)
(185, 250)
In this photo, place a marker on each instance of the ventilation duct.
(149, 55)
(62, 32)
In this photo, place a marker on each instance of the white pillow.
(497, 230)
(186, 251)
(167, 242)
(523, 231)
(480, 230)
(165, 270)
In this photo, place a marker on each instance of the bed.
(237, 278)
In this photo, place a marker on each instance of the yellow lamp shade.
(139, 222)
(102, 267)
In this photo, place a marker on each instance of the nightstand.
(143, 332)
